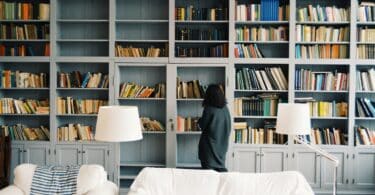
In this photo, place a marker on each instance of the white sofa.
(166, 181)
(91, 180)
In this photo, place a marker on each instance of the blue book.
(13, 79)
(369, 106)
(86, 80)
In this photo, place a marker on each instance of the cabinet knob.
(83, 151)
(79, 151)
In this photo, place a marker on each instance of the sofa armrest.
(107, 188)
(12, 189)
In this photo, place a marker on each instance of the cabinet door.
(308, 163)
(96, 154)
(246, 160)
(364, 169)
(327, 169)
(273, 160)
(16, 158)
(68, 154)
(38, 154)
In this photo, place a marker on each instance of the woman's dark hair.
(214, 97)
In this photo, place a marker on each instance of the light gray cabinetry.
(68, 154)
(364, 168)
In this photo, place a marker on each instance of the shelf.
(189, 133)
(188, 165)
(141, 21)
(82, 40)
(262, 61)
(365, 43)
(30, 142)
(329, 118)
(238, 145)
(324, 23)
(24, 89)
(334, 62)
(201, 21)
(142, 41)
(200, 60)
(366, 23)
(321, 91)
(365, 118)
(365, 92)
(322, 42)
(81, 21)
(365, 62)
(142, 99)
(26, 115)
(190, 99)
(263, 22)
(25, 40)
(154, 132)
(24, 58)
(262, 42)
(201, 41)
(25, 21)
(130, 177)
(76, 115)
(142, 59)
(82, 89)
(259, 91)
(255, 117)
(141, 164)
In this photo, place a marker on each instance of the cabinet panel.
(16, 158)
(68, 154)
(37, 154)
(308, 163)
(273, 160)
(95, 154)
(327, 169)
(365, 168)
(246, 160)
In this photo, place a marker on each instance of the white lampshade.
(118, 124)
(293, 119)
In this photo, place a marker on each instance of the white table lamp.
(118, 124)
(294, 120)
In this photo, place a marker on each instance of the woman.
(215, 124)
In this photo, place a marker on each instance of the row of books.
(364, 136)
(267, 10)
(366, 51)
(366, 11)
(247, 51)
(323, 14)
(269, 78)
(187, 33)
(24, 50)
(262, 33)
(130, 51)
(366, 35)
(23, 11)
(244, 134)
(89, 80)
(366, 80)
(187, 124)
(190, 89)
(327, 136)
(308, 33)
(326, 51)
(306, 79)
(365, 107)
(132, 90)
(74, 132)
(23, 132)
(23, 106)
(189, 13)
(328, 108)
(24, 32)
(151, 125)
(260, 105)
(206, 51)
(69, 105)
(18, 79)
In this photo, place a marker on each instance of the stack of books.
(24, 11)
(366, 10)
(74, 132)
(323, 14)
(132, 90)
(325, 108)
(266, 10)
(244, 134)
(306, 79)
(366, 80)
(325, 51)
(18, 79)
(365, 107)
(130, 51)
(69, 105)
(327, 136)
(24, 32)
(187, 124)
(151, 125)
(22, 106)
(190, 12)
(269, 78)
(76, 80)
(307, 33)
(254, 33)
(189, 33)
(366, 35)
(261, 105)
(364, 136)
(220, 50)
(24, 133)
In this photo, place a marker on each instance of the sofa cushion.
(23, 177)
(89, 177)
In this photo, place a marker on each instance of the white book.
(298, 32)
(277, 78)
(371, 78)
(365, 83)
(283, 78)
(266, 80)
(260, 80)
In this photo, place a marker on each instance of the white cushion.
(196, 182)
(23, 177)
(11, 190)
(108, 188)
(89, 177)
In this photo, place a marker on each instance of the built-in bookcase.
(82, 28)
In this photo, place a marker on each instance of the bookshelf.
(84, 35)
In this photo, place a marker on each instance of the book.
(24, 10)
(89, 80)
(18, 79)
(193, 33)
(192, 12)
(130, 51)
(260, 105)
(323, 14)
(364, 136)
(322, 51)
(327, 136)
(365, 107)
(69, 105)
(306, 79)
(25, 133)
(264, 10)
(366, 51)
(311, 33)
(151, 125)
(365, 80)
(23, 106)
(187, 124)
(366, 11)
(325, 108)
(220, 50)
(75, 132)
(247, 51)
(254, 33)
(269, 78)
(245, 134)
(132, 90)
